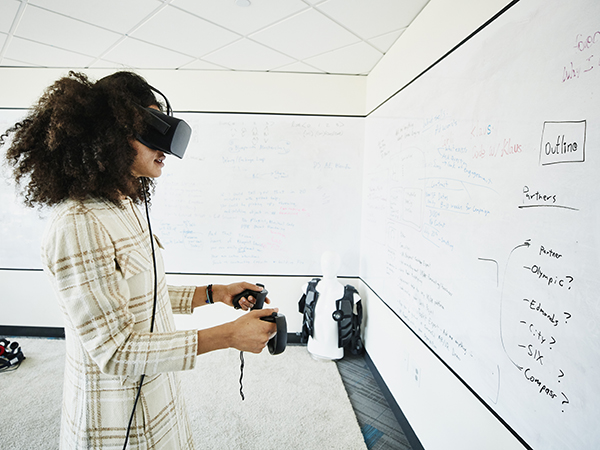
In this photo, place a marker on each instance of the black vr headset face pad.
(164, 132)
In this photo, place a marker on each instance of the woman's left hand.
(225, 293)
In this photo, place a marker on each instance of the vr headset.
(165, 132)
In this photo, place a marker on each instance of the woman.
(77, 151)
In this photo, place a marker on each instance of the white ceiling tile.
(355, 59)
(44, 55)
(298, 67)
(7, 62)
(137, 54)
(2, 39)
(54, 29)
(304, 35)
(177, 29)
(375, 17)
(116, 15)
(202, 65)
(248, 55)
(243, 20)
(9, 10)
(383, 43)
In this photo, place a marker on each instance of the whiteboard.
(480, 218)
(262, 194)
(255, 194)
(21, 228)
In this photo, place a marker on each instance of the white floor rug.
(291, 401)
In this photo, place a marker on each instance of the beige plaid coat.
(99, 260)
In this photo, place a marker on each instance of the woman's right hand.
(247, 333)
(250, 334)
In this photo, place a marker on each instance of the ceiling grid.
(301, 36)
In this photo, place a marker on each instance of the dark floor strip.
(378, 423)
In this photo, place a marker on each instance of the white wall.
(437, 29)
(27, 300)
(214, 91)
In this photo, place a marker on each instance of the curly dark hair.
(75, 141)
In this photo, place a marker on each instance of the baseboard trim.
(400, 417)
(294, 338)
(48, 332)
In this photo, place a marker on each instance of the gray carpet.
(292, 401)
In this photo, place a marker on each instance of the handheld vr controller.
(259, 296)
(277, 343)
